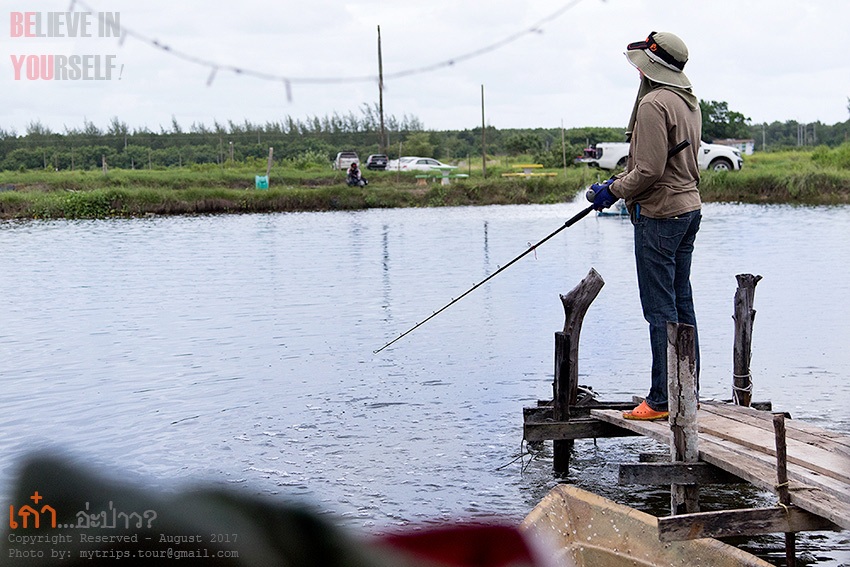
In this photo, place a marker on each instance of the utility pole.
(564, 146)
(383, 141)
(483, 138)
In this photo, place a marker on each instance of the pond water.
(238, 350)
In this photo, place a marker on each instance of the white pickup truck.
(611, 155)
(344, 160)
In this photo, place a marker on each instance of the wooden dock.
(740, 441)
(807, 467)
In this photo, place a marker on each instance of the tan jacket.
(662, 188)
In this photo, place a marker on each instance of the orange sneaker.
(645, 413)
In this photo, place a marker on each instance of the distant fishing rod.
(530, 249)
(590, 195)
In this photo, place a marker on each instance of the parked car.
(718, 157)
(395, 164)
(344, 160)
(611, 155)
(376, 161)
(413, 163)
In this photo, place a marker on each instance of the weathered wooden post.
(682, 405)
(742, 383)
(562, 386)
(269, 165)
(782, 484)
(565, 385)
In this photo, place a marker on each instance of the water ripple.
(238, 349)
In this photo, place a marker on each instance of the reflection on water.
(238, 349)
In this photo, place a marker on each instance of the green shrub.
(309, 159)
(836, 157)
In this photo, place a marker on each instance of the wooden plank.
(538, 413)
(763, 440)
(653, 458)
(674, 473)
(816, 499)
(759, 471)
(761, 463)
(798, 473)
(544, 412)
(750, 522)
(807, 497)
(573, 429)
(802, 476)
(762, 406)
(657, 430)
(794, 429)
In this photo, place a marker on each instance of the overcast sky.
(769, 59)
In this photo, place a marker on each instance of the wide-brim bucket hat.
(661, 57)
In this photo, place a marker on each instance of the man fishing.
(661, 189)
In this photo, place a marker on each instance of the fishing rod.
(530, 249)
(590, 195)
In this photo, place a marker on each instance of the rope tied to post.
(738, 391)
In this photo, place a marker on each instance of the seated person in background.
(355, 178)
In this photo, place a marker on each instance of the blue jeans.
(663, 250)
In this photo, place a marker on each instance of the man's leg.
(682, 284)
(663, 249)
(655, 273)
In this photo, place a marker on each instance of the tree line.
(719, 122)
(315, 140)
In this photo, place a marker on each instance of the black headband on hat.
(656, 49)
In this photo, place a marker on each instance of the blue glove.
(602, 197)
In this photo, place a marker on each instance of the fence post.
(742, 380)
(576, 304)
(682, 404)
(565, 386)
(782, 484)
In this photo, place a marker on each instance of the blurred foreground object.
(62, 514)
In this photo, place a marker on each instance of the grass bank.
(785, 177)
(791, 177)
